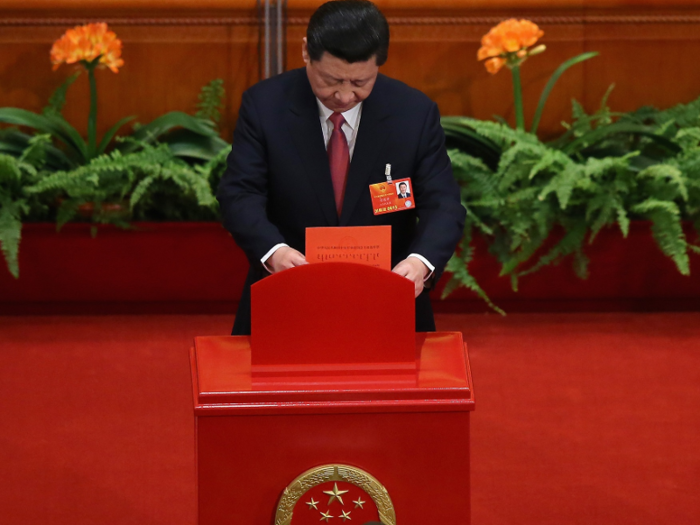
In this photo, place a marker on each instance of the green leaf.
(67, 210)
(667, 230)
(61, 131)
(73, 138)
(12, 206)
(175, 119)
(14, 142)
(10, 233)
(107, 138)
(594, 136)
(211, 100)
(458, 266)
(551, 83)
(58, 98)
(459, 135)
(623, 220)
(184, 143)
(667, 172)
(570, 243)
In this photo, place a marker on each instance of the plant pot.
(625, 274)
(155, 267)
(190, 267)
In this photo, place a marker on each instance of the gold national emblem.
(335, 494)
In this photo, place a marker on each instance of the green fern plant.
(126, 179)
(16, 176)
(538, 203)
(211, 101)
(537, 190)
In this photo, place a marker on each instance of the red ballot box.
(306, 423)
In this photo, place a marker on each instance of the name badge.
(390, 197)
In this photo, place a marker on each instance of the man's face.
(402, 188)
(339, 85)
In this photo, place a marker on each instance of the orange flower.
(85, 44)
(494, 65)
(507, 43)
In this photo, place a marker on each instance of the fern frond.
(683, 115)
(655, 205)
(667, 230)
(562, 184)
(666, 172)
(516, 164)
(623, 220)
(502, 134)
(58, 97)
(10, 231)
(522, 249)
(572, 242)
(36, 152)
(211, 100)
(458, 266)
(476, 221)
(688, 138)
(550, 161)
(66, 211)
(10, 175)
(605, 207)
(668, 233)
(580, 121)
(140, 190)
(474, 176)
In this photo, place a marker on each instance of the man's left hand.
(414, 270)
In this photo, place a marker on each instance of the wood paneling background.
(172, 47)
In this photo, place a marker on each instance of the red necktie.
(339, 158)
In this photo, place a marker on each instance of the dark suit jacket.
(404, 196)
(278, 178)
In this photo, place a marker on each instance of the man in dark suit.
(309, 142)
(403, 191)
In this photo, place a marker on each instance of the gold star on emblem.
(359, 503)
(345, 516)
(325, 516)
(312, 504)
(335, 494)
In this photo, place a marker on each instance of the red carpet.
(580, 419)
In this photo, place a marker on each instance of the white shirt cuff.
(269, 254)
(426, 262)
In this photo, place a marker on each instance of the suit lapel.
(369, 143)
(305, 130)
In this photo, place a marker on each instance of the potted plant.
(537, 203)
(163, 170)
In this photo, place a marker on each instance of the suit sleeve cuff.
(269, 254)
(426, 262)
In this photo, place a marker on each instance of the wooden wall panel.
(173, 47)
(165, 66)
(387, 5)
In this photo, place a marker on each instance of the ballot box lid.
(335, 312)
(224, 382)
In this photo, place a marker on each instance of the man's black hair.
(353, 30)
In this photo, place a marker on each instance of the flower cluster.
(87, 43)
(507, 44)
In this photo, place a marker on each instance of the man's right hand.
(285, 258)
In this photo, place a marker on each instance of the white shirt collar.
(351, 116)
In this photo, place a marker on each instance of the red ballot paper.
(369, 245)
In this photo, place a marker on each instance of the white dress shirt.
(352, 122)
